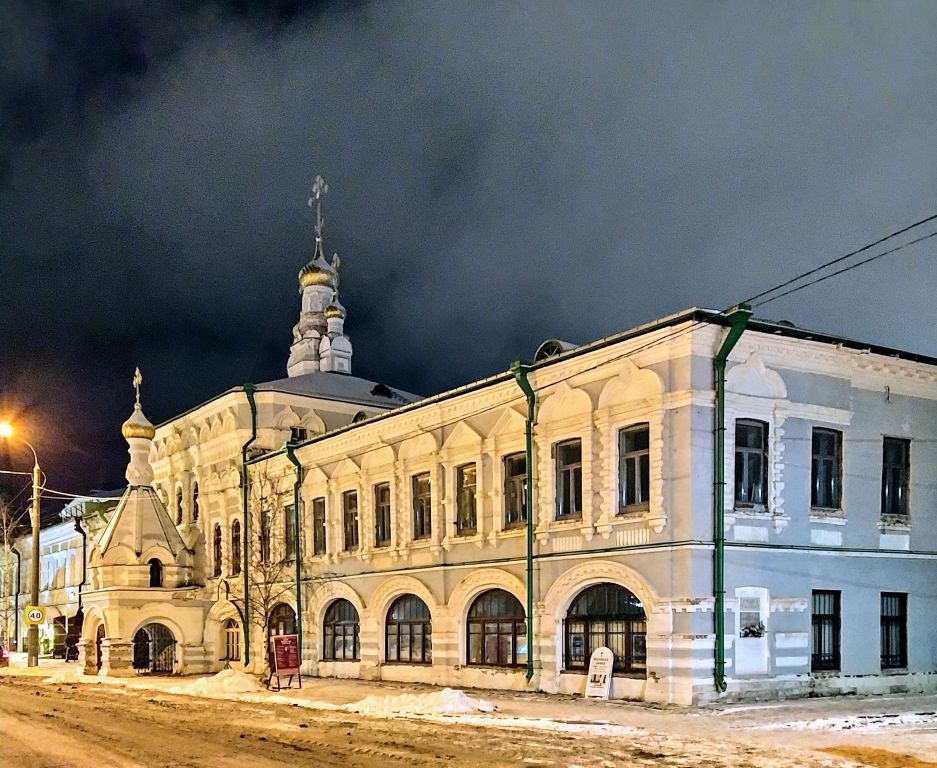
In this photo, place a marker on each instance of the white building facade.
(396, 535)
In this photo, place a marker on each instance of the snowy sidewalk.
(900, 724)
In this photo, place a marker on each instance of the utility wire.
(847, 269)
(839, 259)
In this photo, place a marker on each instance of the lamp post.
(32, 638)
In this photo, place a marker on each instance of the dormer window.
(298, 434)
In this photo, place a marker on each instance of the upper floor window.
(895, 470)
(422, 507)
(634, 470)
(236, 547)
(179, 506)
(350, 519)
(894, 630)
(289, 532)
(216, 551)
(465, 521)
(318, 526)
(515, 490)
(195, 502)
(266, 524)
(751, 463)
(569, 479)
(826, 474)
(382, 515)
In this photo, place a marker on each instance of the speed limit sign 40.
(35, 614)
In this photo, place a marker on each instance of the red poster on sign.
(285, 655)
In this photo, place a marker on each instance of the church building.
(737, 508)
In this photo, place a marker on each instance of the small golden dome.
(138, 426)
(335, 310)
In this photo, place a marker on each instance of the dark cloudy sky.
(500, 173)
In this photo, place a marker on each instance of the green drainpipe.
(738, 317)
(245, 487)
(520, 371)
(297, 549)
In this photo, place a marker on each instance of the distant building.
(411, 528)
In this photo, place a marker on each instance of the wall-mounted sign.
(599, 680)
(35, 614)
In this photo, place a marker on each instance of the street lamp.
(32, 638)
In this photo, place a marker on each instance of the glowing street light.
(32, 638)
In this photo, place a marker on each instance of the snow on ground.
(444, 702)
(226, 681)
(866, 723)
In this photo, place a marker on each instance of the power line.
(847, 269)
(839, 259)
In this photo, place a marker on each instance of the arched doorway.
(99, 636)
(154, 650)
(282, 622)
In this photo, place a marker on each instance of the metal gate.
(154, 650)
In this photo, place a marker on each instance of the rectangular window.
(826, 474)
(382, 515)
(894, 630)
(568, 479)
(751, 463)
(634, 470)
(350, 519)
(515, 490)
(825, 624)
(266, 524)
(318, 526)
(422, 507)
(465, 521)
(289, 533)
(896, 455)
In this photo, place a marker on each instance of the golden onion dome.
(335, 310)
(138, 425)
(318, 271)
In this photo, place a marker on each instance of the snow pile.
(444, 702)
(861, 722)
(225, 682)
(67, 675)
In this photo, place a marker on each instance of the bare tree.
(13, 524)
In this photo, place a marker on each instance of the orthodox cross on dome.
(137, 381)
(319, 190)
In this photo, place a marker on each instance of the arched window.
(606, 615)
(179, 505)
(497, 630)
(236, 547)
(194, 502)
(282, 620)
(340, 632)
(408, 632)
(232, 641)
(216, 551)
(156, 573)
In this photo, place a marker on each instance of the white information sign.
(599, 681)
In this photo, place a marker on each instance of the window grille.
(894, 630)
(825, 625)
